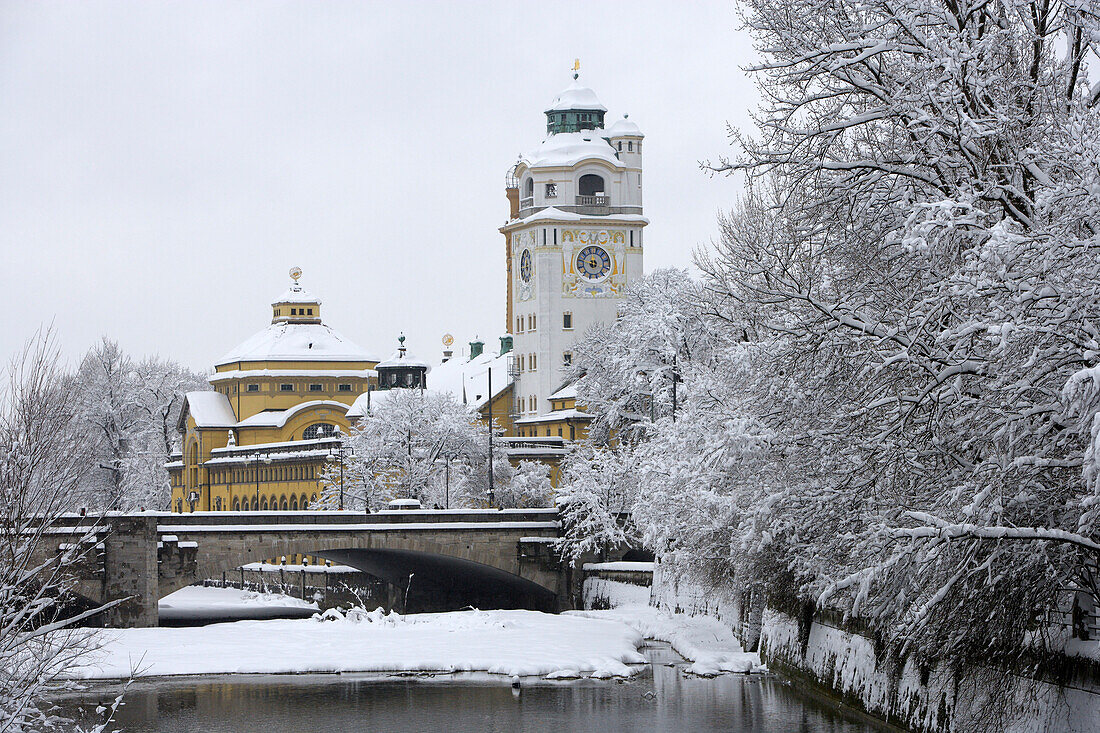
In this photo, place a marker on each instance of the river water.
(660, 698)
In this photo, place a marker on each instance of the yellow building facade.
(261, 438)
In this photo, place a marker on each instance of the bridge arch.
(449, 568)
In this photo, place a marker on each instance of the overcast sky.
(162, 165)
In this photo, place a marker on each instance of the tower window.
(286, 387)
(567, 321)
(344, 388)
(253, 388)
(316, 388)
(620, 146)
(293, 311)
(532, 363)
(630, 146)
(278, 312)
(567, 358)
(631, 237)
(309, 311)
(551, 190)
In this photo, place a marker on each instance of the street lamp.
(339, 451)
(256, 458)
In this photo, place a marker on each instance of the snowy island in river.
(597, 644)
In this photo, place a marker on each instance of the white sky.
(162, 165)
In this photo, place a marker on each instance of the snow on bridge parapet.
(377, 527)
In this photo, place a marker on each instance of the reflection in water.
(661, 699)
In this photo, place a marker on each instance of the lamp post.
(255, 459)
(492, 495)
(340, 452)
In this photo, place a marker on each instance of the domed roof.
(570, 148)
(623, 126)
(401, 358)
(296, 342)
(575, 96)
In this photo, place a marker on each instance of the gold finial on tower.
(295, 273)
(576, 68)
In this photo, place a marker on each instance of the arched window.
(529, 188)
(313, 498)
(255, 504)
(236, 505)
(194, 453)
(590, 184)
(263, 504)
(294, 503)
(304, 502)
(319, 430)
(217, 503)
(283, 504)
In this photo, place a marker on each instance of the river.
(660, 698)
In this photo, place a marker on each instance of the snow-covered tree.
(628, 371)
(598, 493)
(405, 448)
(526, 486)
(44, 463)
(917, 273)
(130, 410)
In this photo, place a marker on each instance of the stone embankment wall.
(842, 662)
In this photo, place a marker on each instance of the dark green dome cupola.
(576, 108)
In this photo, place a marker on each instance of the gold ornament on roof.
(448, 339)
(295, 273)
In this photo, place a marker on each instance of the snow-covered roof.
(325, 373)
(296, 294)
(570, 414)
(576, 96)
(565, 149)
(278, 418)
(296, 342)
(552, 213)
(623, 126)
(400, 359)
(568, 392)
(209, 409)
(467, 380)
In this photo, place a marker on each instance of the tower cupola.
(402, 370)
(296, 305)
(576, 108)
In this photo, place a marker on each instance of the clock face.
(593, 262)
(525, 265)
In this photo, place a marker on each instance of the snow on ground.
(499, 642)
(704, 641)
(195, 603)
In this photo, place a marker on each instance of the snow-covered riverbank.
(598, 644)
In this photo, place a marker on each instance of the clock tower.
(573, 240)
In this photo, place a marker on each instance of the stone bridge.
(497, 558)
